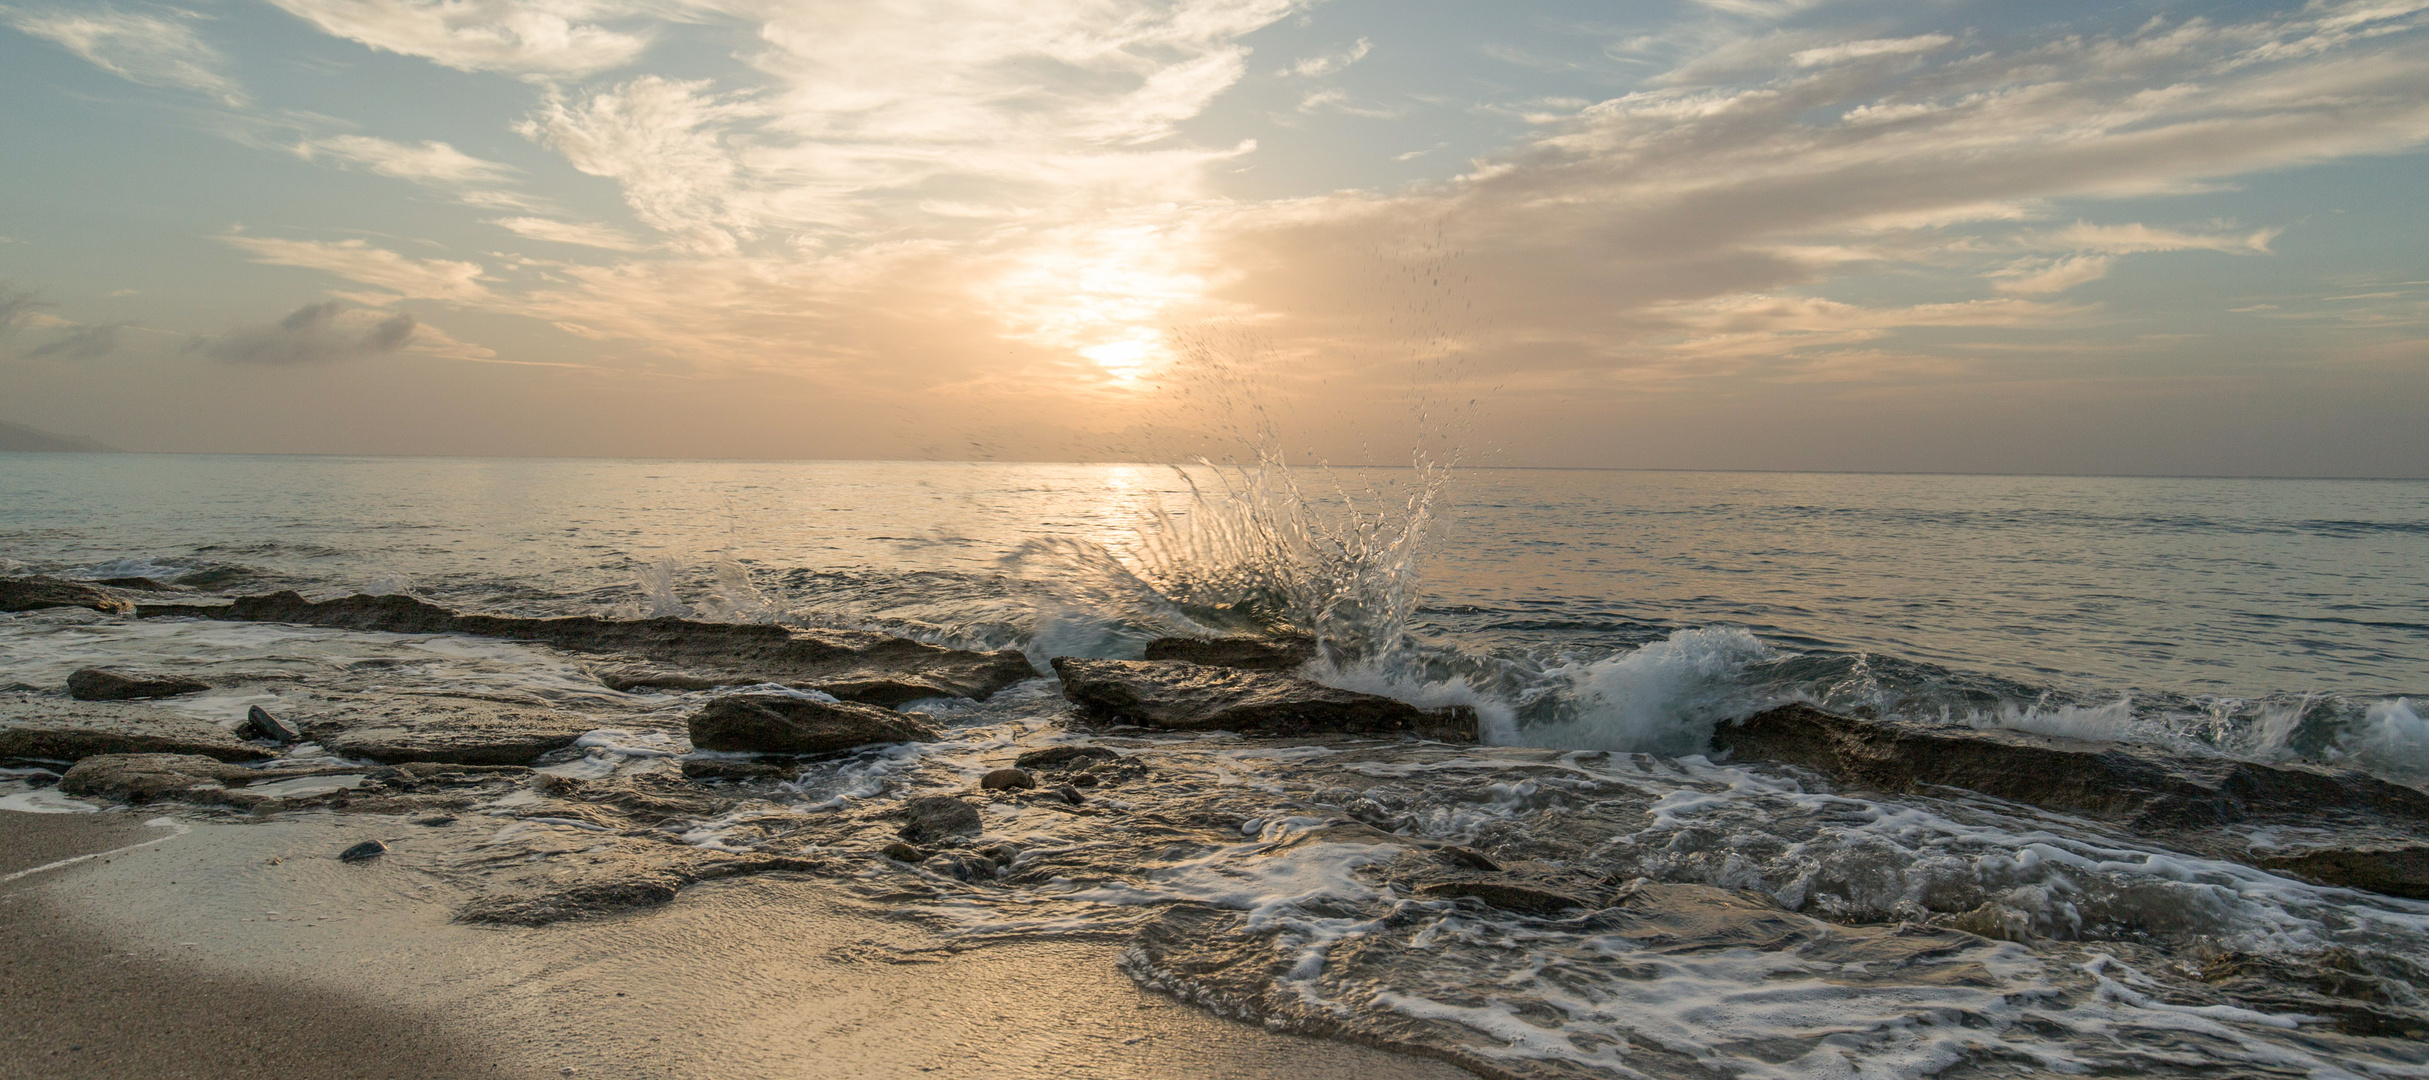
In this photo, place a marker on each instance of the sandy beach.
(247, 949)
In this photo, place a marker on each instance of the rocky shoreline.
(450, 766)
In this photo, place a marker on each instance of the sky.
(1930, 235)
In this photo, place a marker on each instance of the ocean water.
(1601, 622)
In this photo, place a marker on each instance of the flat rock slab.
(35, 593)
(1249, 654)
(450, 730)
(145, 777)
(51, 729)
(784, 724)
(1194, 697)
(849, 664)
(2358, 831)
(105, 684)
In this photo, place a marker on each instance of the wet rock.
(630, 874)
(139, 584)
(849, 664)
(1468, 857)
(103, 684)
(2393, 869)
(48, 729)
(932, 818)
(732, 769)
(34, 593)
(1249, 654)
(902, 852)
(1006, 780)
(782, 724)
(1193, 697)
(363, 852)
(448, 730)
(2136, 785)
(214, 577)
(140, 778)
(1063, 757)
(1070, 795)
(1509, 894)
(261, 725)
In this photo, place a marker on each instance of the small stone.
(1470, 858)
(935, 817)
(1055, 756)
(731, 769)
(363, 852)
(1071, 794)
(1006, 780)
(102, 684)
(902, 852)
(260, 723)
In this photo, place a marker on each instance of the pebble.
(368, 849)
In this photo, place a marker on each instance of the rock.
(628, 874)
(1193, 697)
(46, 728)
(448, 730)
(2135, 785)
(1053, 757)
(214, 577)
(935, 817)
(2393, 869)
(260, 724)
(902, 852)
(1006, 780)
(140, 778)
(33, 593)
(783, 724)
(103, 684)
(1509, 894)
(363, 852)
(1070, 795)
(139, 584)
(731, 769)
(1250, 654)
(849, 664)
(1468, 857)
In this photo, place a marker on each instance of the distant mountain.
(21, 437)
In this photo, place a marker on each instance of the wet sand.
(245, 949)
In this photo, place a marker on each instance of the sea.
(1602, 623)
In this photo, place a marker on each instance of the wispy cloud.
(82, 343)
(141, 47)
(529, 38)
(1319, 66)
(15, 306)
(319, 333)
(586, 234)
(356, 260)
(429, 162)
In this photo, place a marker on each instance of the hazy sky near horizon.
(2136, 237)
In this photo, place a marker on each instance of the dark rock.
(363, 852)
(783, 724)
(1250, 654)
(448, 730)
(214, 577)
(935, 817)
(1468, 857)
(260, 724)
(1509, 894)
(1070, 795)
(140, 778)
(640, 874)
(2122, 782)
(103, 684)
(2393, 869)
(1193, 697)
(857, 665)
(1006, 780)
(435, 822)
(731, 769)
(1063, 757)
(33, 593)
(49, 729)
(902, 852)
(140, 584)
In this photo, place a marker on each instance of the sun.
(1128, 358)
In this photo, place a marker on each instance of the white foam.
(45, 801)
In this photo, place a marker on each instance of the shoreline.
(239, 947)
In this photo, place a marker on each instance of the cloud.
(541, 39)
(1868, 48)
(320, 333)
(357, 260)
(160, 50)
(1319, 66)
(84, 343)
(606, 237)
(16, 306)
(2056, 275)
(430, 162)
